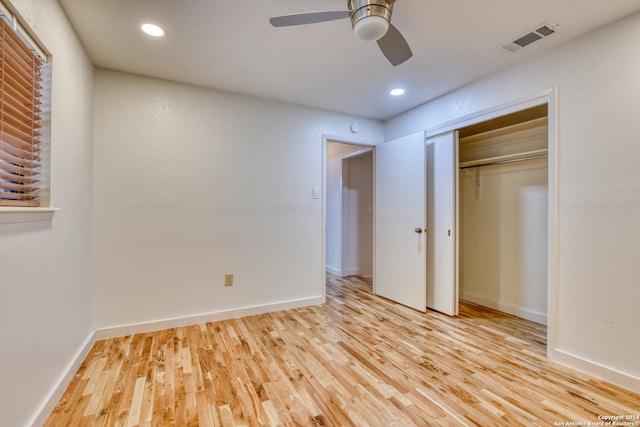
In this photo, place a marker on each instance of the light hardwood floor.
(358, 360)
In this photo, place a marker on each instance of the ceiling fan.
(370, 19)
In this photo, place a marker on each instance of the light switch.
(315, 192)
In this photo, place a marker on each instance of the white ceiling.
(231, 46)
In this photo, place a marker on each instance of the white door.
(400, 244)
(442, 223)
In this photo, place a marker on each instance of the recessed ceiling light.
(152, 30)
(397, 92)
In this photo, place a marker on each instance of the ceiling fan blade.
(394, 47)
(308, 18)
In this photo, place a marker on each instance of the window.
(21, 91)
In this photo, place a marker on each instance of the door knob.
(418, 230)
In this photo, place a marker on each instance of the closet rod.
(532, 155)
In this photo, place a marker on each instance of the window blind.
(20, 97)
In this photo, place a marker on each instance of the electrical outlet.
(228, 279)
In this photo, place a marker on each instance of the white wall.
(191, 184)
(503, 238)
(597, 292)
(358, 215)
(336, 152)
(45, 268)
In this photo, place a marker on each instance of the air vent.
(538, 33)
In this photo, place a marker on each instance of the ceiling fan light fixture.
(371, 28)
(370, 18)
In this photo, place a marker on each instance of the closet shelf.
(509, 158)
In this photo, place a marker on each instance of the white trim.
(493, 112)
(334, 271)
(553, 167)
(214, 316)
(10, 215)
(352, 272)
(355, 154)
(594, 369)
(327, 137)
(58, 390)
(515, 310)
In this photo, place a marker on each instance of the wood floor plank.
(358, 360)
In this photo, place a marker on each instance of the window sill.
(10, 215)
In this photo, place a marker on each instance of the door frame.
(548, 97)
(366, 145)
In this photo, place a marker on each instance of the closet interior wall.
(503, 214)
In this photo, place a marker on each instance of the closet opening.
(503, 213)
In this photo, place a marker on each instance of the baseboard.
(352, 272)
(522, 312)
(594, 369)
(177, 322)
(54, 397)
(334, 271)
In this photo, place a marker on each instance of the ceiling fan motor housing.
(370, 18)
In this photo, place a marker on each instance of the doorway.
(546, 100)
(502, 198)
(349, 209)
